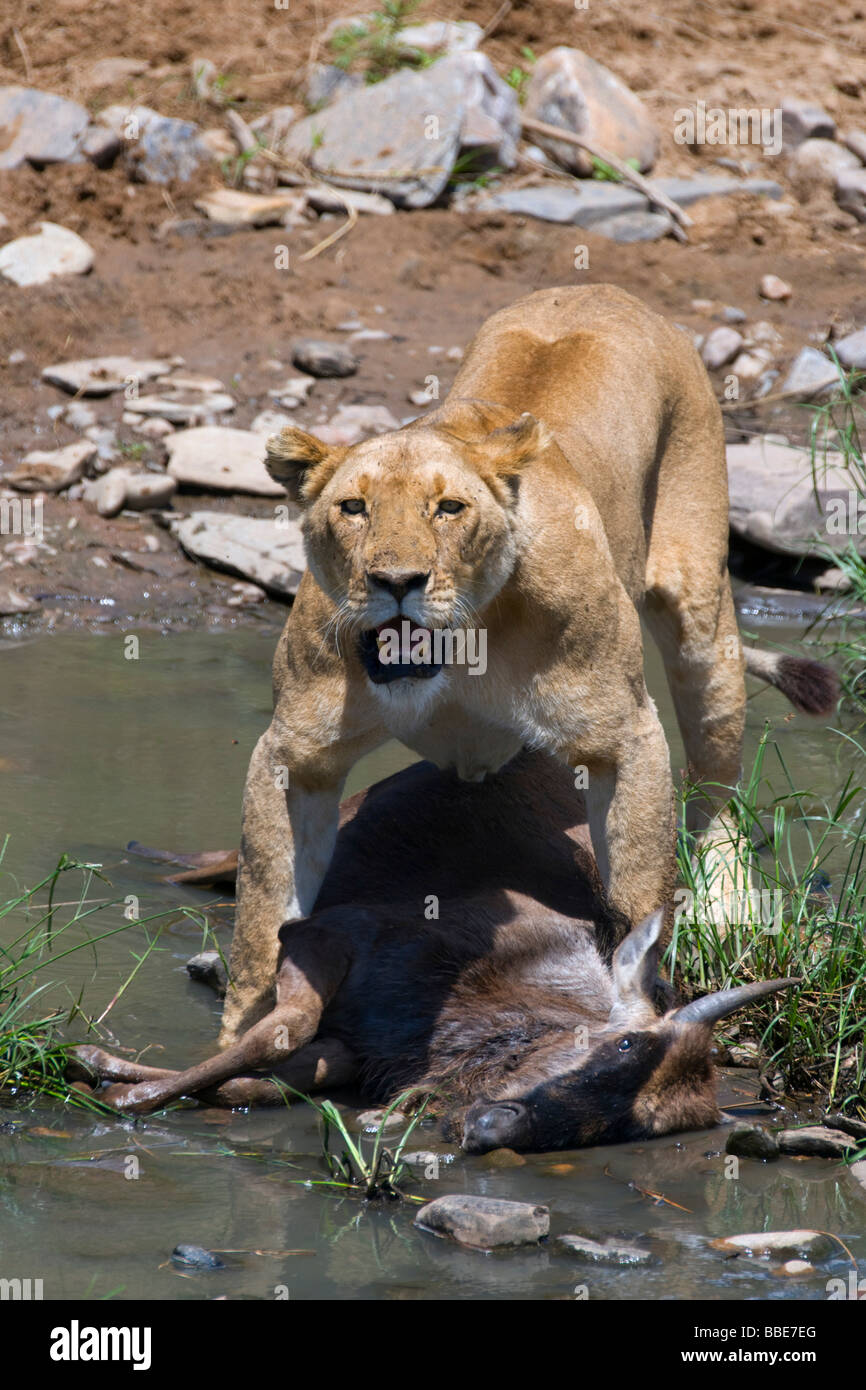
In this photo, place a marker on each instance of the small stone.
(795, 1269)
(793, 1244)
(194, 1257)
(752, 1141)
(145, 491)
(17, 356)
(55, 251)
(610, 1252)
(439, 36)
(804, 120)
(207, 967)
(160, 149)
(420, 398)
(324, 199)
(233, 208)
(503, 1158)
(269, 422)
(771, 287)
(153, 428)
(484, 1223)
(79, 416)
(850, 192)
(257, 549)
(178, 408)
(101, 146)
(322, 359)
(99, 376)
(858, 1173)
(352, 423)
(108, 494)
(748, 367)
(818, 163)
(244, 595)
(371, 1121)
(832, 580)
(52, 470)
(731, 314)
(225, 460)
(816, 1141)
(720, 346)
(12, 602)
(189, 381)
(293, 392)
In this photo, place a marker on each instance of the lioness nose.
(398, 582)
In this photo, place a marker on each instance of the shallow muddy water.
(95, 750)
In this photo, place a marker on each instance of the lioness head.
(413, 530)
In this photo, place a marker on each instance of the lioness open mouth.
(397, 649)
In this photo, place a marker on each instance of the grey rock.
(195, 1257)
(811, 374)
(752, 1141)
(569, 89)
(790, 1244)
(816, 1141)
(851, 350)
(773, 496)
(185, 407)
(731, 314)
(772, 287)
(107, 72)
(324, 199)
(220, 459)
(850, 192)
(608, 1252)
(108, 493)
(78, 416)
(39, 128)
(491, 125)
(631, 227)
(400, 137)
(323, 359)
(818, 163)
(99, 376)
(686, 191)
(208, 969)
(484, 1223)
(849, 1124)
(858, 1173)
(54, 251)
(145, 491)
(720, 347)
(51, 470)
(805, 120)
(258, 549)
(372, 1121)
(160, 149)
(352, 423)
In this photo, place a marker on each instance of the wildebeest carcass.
(455, 948)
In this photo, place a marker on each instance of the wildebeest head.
(640, 1075)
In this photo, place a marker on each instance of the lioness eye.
(353, 506)
(450, 506)
(625, 1045)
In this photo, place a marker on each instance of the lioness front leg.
(290, 818)
(630, 808)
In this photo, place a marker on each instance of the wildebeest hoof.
(85, 1063)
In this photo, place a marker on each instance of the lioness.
(573, 480)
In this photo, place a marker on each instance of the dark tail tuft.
(811, 687)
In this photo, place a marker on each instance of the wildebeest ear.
(506, 451)
(635, 967)
(302, 463)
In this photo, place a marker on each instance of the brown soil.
(428, 277)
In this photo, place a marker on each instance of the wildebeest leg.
(323, 1062)
(306, 983)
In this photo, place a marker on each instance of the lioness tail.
(812, 687)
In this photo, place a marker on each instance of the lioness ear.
(507, 450)
(302, 463)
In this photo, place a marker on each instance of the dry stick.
(659, 199)
(22, 49)
(242, 133)
(494, 23)
(296, 168)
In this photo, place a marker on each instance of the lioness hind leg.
(702, 652)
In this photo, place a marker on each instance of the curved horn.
(712, 1007)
